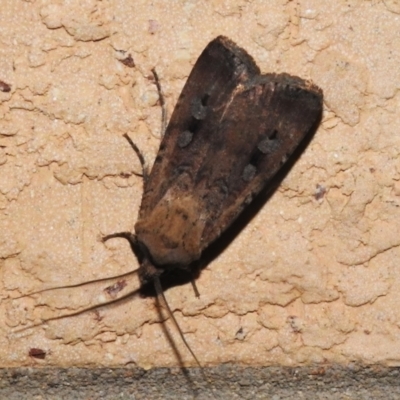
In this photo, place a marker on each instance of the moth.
(231, 131)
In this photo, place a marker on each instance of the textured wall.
(311, 278)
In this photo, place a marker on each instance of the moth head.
(148, 271)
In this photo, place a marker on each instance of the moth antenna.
(160, 295)
(145, 172)
(75, 285)
(162, 102)
(73, 314)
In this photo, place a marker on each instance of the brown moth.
(231, 131)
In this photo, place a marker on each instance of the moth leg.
(129, 236)
(196, 291)
(161, 297)
(145, 170)
(162, 102)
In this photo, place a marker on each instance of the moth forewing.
(226, 140)
(273, 130)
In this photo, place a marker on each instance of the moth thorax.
(172, 231)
